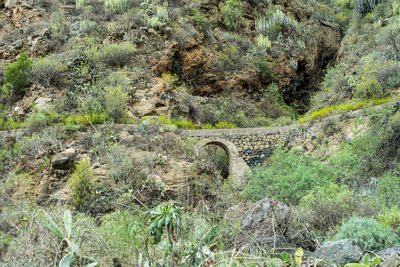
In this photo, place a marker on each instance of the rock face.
(263, 225)
(298, 70)
(64, 160)
(342, 251)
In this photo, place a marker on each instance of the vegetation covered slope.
(73, 72)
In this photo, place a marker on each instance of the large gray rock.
(64, 160)
(390, 256)
(264, 225)
(392, 261)
(342, 251)
(387, 252)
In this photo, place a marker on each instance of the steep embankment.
(232, 60)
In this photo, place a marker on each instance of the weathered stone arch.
(239, 171)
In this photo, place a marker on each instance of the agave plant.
(165, 218)
(67, 239)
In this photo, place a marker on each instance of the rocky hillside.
(96, 167)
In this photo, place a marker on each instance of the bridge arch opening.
(216, 159)
(237, 167)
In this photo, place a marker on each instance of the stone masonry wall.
(254, 144)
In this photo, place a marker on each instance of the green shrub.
(389, 37)
(9, 124)
(264, 67)
(368, 234)
(17, 73)
(117, 79)
(184, 124)
(126, 232)
(263, 42)
(115, 101)
(369, 88)
(274, 22)
(87, 119)
(363, 7)
(290, 176)
(390, 218)
(120, 165)
(87, 26)
(225, 125)
(164, 120)
(326, 206)
(118, 55)
(46, 70)
(230, 59)
(231, 14)
(389, 188)
(92, 104)
(118, 6)
(82, 184)
(40, 120)
(199, 19)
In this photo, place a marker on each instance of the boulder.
(392, 261)
(64, 160)
(264, 225)
(342, 252)
(387, 252)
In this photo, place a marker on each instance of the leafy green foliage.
(67, 237)
(115, 101)
(165, 219)
(199, 19)
(231, 14)
(117, 6)
(290, 176)
(39, 120)
(120, 166)
(390, 218)
(118, 55)
(389, 36)
(327, 206)
(17, 73)
(363, 7)
(389, 188)
(368, 234)
(274, 22)
(82, 184)
(264, 67)
(46, 70)
(230, 59)
(184, 124)
(89, 119)
(369, 88)
(127, 232)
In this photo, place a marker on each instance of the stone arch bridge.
(245, 146)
